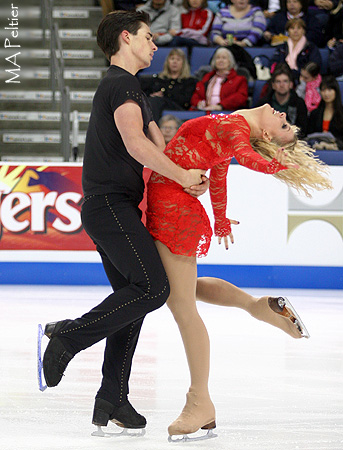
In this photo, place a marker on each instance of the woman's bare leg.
(182, 274)
(221, 292)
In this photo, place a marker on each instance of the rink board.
(284, 239)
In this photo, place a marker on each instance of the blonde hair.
(311, 174)
(185, 69)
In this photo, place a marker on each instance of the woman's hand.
(281, 157)
(213, 108)
(225, 238)
(219, 40)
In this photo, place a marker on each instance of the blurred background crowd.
(220, 56)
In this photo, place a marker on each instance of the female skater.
(182, 231)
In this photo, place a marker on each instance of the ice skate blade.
(298, 322)
(131, 432)
(41, 386)
(186, 438)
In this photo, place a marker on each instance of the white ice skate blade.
(131, 432)
(303, 329)
(186, 438)
(41, 386)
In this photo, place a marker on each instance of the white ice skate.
(132, 432)
(282, 306)
(41, 386)
(186, 438)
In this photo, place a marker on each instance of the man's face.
(143, 46)
(158, 4)
(282, 84)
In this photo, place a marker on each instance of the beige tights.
(222, 293)
(182, 274)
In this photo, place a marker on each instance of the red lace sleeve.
(218, 193)
(235, 131)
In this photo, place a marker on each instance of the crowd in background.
(294, 80)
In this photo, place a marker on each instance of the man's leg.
(116, 369)
(116, 227)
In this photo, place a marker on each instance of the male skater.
(121, 138)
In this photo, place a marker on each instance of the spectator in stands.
(297, 51)
(308, 87)
(322, 10)
(328, 117)
(336, 59)
(269, 7)
(283, 98)
(239, 23)
(173, 87)
(334, 28)
(195, 24)
(165, 20)
(126, 5)
(275, 33)
(222, 88)
(169, 125)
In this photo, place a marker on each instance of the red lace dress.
(179, 220)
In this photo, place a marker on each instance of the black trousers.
(135, 271)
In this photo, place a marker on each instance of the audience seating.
(184, 115)
(158, 60)
(340, 84)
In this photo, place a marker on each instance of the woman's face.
(296, 33)
(240, 4)
(294, 7)
(275, 124)
(175, 63)
(305, 76)
(169, 129)
(328, 94)
(195, 3)
(222, 61)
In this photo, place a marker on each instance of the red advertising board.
(40, 208)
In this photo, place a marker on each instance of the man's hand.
(199, 189)
(192, 177)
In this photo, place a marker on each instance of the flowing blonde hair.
(312, 173)
(185, 69)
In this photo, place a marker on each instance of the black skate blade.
(131, 432)
(41, 386)
(193, 437)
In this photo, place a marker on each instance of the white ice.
(271, 392)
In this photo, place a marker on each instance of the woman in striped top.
(239, 23)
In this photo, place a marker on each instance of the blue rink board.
(301, 277)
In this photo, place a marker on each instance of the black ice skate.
(282, 306)
(41, 386)
(56, 357)
(123, 416)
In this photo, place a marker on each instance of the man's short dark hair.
(113, 24)
(282, 69)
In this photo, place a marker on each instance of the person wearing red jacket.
(222, 88)
(196, 24)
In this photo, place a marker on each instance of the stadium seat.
(184, 115)
(201, 56)
(257, 91)
(324, 53)
(340, 84)
(158, 60)
(265, 54)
